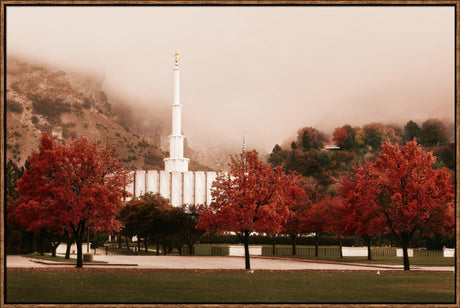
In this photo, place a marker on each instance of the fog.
(266, 71)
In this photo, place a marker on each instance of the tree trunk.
(191, 249)
(67, 250)
(41, 245)
(294, 244)
(78, 241)
(138, 245)
(34, 243)
(78, 233)
(340, 246)
(146, 245)
(316, 244)
(405, 245)
(369, 250)
(54, 247)
(246, 249)
(55, 241)
(127, 242)
(119, 242)
(158, 249)
(273, 245)
(87, 240)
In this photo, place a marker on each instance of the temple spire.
(176, 160)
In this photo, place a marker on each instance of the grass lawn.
(427, 261)
(121, 285)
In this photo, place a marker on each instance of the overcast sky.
(265, 70)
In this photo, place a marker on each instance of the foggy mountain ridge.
(42, 97)
(70, 104)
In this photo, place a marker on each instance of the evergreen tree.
(411, 131)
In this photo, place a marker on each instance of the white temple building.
(175, 182)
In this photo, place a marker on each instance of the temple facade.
(175, 182)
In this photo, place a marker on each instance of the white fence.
(449, 252)
(399, 252)
(73, 248)
(354, 251)
(238, 250)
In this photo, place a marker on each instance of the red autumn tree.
(402, 191)
(335, 222)
(364, 221)
(344, 137)
(294, 226)
(253, 197)
(74, 187)
(316, 217)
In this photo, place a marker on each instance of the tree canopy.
(253, 197)
(400, 193)
(71, 187)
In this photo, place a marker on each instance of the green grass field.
(421, 260)
(95, 285)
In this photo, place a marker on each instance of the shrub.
(87, 103)
(143, 144)
(68, 133)
(16, 86)
(324, 240)
(87, 257)
(50, 109)
(77, 107)
(14, 106)
(69, 125)
(153, 160)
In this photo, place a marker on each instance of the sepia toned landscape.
(230, 154)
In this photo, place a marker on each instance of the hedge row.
(301, 250)
(324, 240)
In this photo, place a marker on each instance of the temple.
(175, 182)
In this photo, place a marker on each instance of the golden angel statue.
(177, 56)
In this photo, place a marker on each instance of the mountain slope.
(40, 99)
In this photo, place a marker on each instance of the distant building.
(332, 148)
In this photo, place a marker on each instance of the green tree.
(446, 153)
(182, 221)
(411, 131)
(434, 133)
(373, 134)
(15, 234)
(278, 156)
(12, 175)
(309, 138)
(146, 218)
(345, 137)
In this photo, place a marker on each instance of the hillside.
(69, 105)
